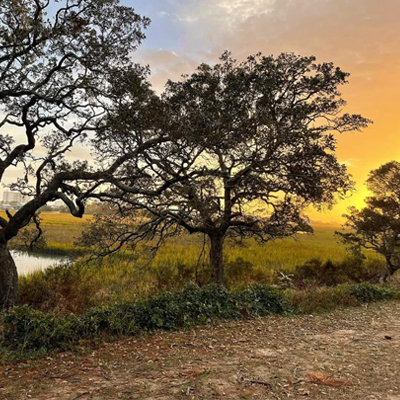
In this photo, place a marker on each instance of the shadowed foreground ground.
(351, 354)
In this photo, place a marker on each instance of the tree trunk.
(8, 279)
(392, 267)
(216, 259)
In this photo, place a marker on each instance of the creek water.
(27, 263)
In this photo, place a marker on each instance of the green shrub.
(170, 310)
(215, 301)
(366, 293)
(25, 328)
(162, 311)
(263, 300)
(117, 320)
(350, 270)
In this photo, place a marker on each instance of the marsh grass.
(128, 276)
(63, 232)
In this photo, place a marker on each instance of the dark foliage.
(25, 329)
(264, 300)
(367, 293)
(377, 226)
(351, 270)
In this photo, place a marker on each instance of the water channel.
(27, 263)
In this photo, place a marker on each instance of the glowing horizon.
(361, 37)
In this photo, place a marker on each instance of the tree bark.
(8, 279)
(391, 267)
(216, 259)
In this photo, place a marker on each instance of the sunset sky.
(360, 36)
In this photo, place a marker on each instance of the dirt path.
(352, 354)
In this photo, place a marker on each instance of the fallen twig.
(322, 378)
(80, 395)
(60, 376)
(105, 376)
(261, 383)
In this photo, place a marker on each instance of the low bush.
(110, 321)
(350, 270)
(263, 300)
(367, 293)
(25, 328)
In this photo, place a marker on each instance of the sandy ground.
(352, 354)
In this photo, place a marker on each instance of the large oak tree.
(254, 145)
(66, 77)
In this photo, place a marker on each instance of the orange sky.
(360, 36)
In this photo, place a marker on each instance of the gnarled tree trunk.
(392, 265)
(8, 279)
(216, 258)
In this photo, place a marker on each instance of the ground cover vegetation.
(26, 331)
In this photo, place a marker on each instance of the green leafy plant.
(25, 329)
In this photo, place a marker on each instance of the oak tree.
(254, 144)
(65, 67)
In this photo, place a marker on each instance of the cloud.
(166, 64)
(362, 37)
(344, 29)
(229, 12)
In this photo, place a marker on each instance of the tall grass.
(63, 231)
(74, 288)
(130, 275)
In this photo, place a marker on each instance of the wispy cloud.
(163, 14)
(228, 12)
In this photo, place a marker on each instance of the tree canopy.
(377, 226)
